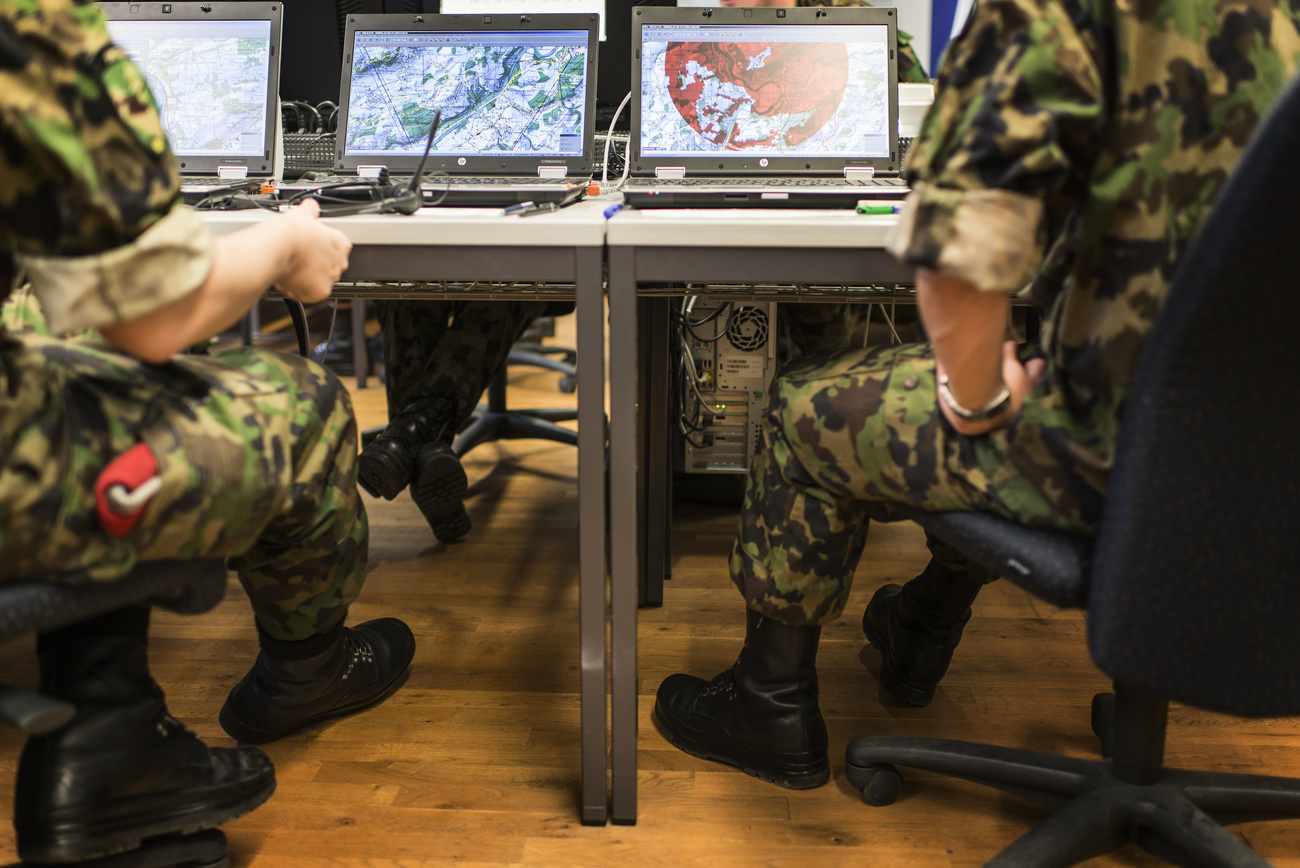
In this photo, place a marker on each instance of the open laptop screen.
(815, 91)
(510, 93)
(211, 79)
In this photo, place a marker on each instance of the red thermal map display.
(770, 78)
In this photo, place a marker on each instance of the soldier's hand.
(1020, 378)
(318, 255)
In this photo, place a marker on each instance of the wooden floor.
(475, 760)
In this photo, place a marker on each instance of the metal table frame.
(566, 247)
(727, 247)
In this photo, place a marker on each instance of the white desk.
(566, 246)
(671, 246)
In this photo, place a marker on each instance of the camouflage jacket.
(89, 214)
(89, 194)
(910, 67)
(1074, 149)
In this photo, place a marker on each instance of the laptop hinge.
(670, 171)
(232, 172)
(552, 171)
(859, 173)
(371, 171)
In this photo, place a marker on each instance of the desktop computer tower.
(726, 358)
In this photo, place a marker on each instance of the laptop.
(214, 70)
(764, 107)
(516, 95)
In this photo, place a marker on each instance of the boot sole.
(76, 840)
(439, 491)
(793, 775)
(242, 732)
(379, 477)
(905, 691)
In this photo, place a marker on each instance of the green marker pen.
(866, 207)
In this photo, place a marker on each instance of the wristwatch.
(993, 408)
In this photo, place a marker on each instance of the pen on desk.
(613, 209)
(516, 208)
(538, 209)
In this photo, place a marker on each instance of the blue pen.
(612, 210)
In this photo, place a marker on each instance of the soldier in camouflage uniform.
(1105, 129)
(439, 357)
(247, 455)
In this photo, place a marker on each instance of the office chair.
(1192, 586)
(495, 421)
(184, 586)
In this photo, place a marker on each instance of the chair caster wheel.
(1103, 720)
(568, 384)
(880, 783)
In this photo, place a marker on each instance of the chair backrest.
(1195, 587)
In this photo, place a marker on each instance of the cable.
(609, 137)
(298, 315)
(687, 323)
(329, 335)
(382, 198)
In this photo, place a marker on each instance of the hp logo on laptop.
(763, 162)
(460, 162)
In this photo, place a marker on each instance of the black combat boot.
(295, 684)
(386, 465)
(761, 714)
(917, 627)
(438, 489)
(123, 770)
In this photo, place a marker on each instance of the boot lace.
(722, 685)
(169, 726)
(360, 652)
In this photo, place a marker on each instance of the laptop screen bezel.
(737, 163)
(468, 164)
(230, 10)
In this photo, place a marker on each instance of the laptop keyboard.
(766, 182)
(438, 181)
(525, 181)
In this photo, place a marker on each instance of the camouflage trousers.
(449, 349)
(257, 459)
(847, 436)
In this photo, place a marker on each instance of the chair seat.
(1049, 564)
(187, 587)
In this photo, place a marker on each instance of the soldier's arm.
(965, 328)
(296, 252)
(89, 199)
(1006, 146)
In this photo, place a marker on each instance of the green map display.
(493, 98)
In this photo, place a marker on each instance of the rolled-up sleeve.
(166, 263)
(89, 194)
(1006, 146)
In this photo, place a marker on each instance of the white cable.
(609, 137)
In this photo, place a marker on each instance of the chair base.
(489, 425)
(205, 849)
(1179, 818)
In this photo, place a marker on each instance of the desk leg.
(360, 352)
(624, 529)
(655, 418)
(590, 315)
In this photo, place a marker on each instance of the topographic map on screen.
(211, 91)
(494, 98)
(764, 97)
